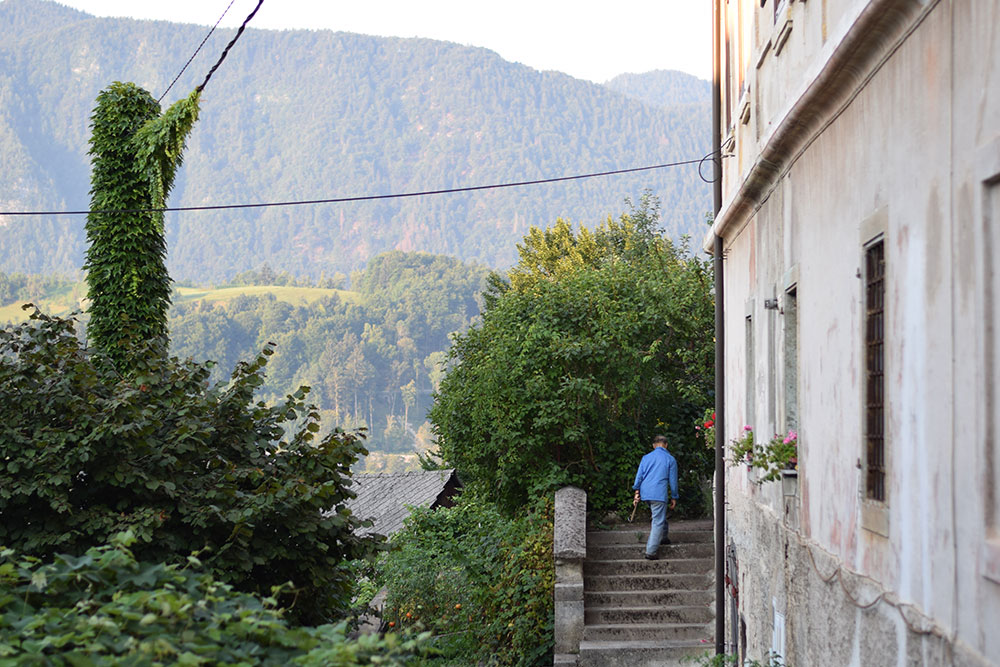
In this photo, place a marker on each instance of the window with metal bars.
(875, 369)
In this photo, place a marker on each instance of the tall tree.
(578, 362)
(409, 392)
(135, 155)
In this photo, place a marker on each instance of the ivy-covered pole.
(135, 152)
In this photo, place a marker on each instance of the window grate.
(875, 369)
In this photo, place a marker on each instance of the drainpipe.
(720, 347)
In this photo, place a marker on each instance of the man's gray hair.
(660, 440)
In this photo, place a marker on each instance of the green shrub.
(103, 607)
(86, 453)
(481, 582)
(599, 342)
(725, 659)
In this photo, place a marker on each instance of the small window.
(751, 380)
(875, 370)
(791, 361)
(988, 168)
(777, 633)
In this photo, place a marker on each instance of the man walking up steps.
(655, 481)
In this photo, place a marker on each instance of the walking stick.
(635, 506)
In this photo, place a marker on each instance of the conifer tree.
(135, 152)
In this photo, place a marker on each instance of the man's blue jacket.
(656, 469)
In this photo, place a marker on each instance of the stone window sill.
(875, 517)
(990, 558)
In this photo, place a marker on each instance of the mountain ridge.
(661, 88)
(316, 114)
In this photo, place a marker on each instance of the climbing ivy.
(135, 155)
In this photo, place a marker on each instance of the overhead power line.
(362, 198)
(225, 51)
(225, 11)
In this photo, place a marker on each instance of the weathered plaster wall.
(903, 155)
(800, 575)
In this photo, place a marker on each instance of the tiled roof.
(383, 497)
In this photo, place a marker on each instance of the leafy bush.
(480, 582)
(103, 607)
(722, 660)
(86, 453)
(600, 341)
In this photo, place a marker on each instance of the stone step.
(640, 535)
(698, 614)
(640, 565)
(647, 582)
(678, 524)
(626, 551)
(623, 632)
(642, 654)
(594, 599)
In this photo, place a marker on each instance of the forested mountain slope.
(372, 355)
(663, 88)
(319, 114)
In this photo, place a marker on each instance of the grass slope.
(66, 300)
(298, 296)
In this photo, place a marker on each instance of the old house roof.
(384, 497)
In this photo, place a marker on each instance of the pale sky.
(594, 40)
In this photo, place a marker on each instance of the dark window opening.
(743, 639)
(791, 361)
(875, 370)
(751, 379)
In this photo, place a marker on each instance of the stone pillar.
(569, 548)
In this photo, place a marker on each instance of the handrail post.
(569, 549)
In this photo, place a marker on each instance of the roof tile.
(384, 497)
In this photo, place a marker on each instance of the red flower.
(713, 416)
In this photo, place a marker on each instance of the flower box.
(790, 482)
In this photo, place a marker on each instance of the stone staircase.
(639, 612)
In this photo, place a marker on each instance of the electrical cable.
(340, 200)
(882, 596)
(928, 625)
(196, 51)
(225, 51)
(715, 156)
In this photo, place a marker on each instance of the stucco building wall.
(895, 136)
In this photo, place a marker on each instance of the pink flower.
(748, 428)
(792, 435)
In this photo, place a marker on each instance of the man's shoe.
(665, 541)
(652, 557)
